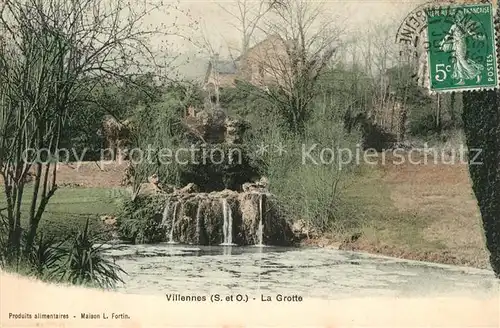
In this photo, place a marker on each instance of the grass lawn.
(69, 208)
(383, 222)
(421, 212)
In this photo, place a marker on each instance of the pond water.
(309, 272)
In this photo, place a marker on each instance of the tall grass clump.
(76, 260)
(311, 189)
(86, 265)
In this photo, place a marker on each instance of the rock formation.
(204, 212)
(222, 217)
(108, 220)
(213, 126)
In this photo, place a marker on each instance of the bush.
(306, 190)
(158, 127)
(243, 101)
(85, 264)
(76, 260)
(46, 257)
(139, 219)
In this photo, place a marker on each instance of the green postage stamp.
(462, 51)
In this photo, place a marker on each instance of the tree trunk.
(452, 109)
(481, 119)
(438, 113)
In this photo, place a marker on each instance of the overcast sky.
(357, 18)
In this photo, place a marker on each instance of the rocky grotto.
(245, 212)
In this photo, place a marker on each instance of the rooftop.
(223, 66)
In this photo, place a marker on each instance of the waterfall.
(230, 225)
(171, 238)
(227, 228)
(224, 213)
(198, 218)
(165, 214)
(260, 231)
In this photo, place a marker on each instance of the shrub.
(307, 190)
(139, 219)
(46, 257)
(76, 260)
(85, 263)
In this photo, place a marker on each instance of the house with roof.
(220, 73)
(261, 65)
(266, 62)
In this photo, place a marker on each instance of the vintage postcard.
(249, 163)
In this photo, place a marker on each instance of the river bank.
(424, 212)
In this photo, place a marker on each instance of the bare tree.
(381, 54)
(248, 15)
(54, 54)
(299, 46)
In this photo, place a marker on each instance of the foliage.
(53, 55)
(56, 87)
(306, 190)
(428, 115)
(242, 101)
(158, 129)
(309, 189)
(116, 97)
(217, 167)
(75, 259)
(85, 263)
(66, 214)
(139, 219)
(46, 256)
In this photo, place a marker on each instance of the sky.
(215, 25)
(355, 15)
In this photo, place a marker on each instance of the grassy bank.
(69, 208)
(420, 212)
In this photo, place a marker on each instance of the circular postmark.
(453, 44)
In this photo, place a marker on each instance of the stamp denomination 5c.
(462, 48)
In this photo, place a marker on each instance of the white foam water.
(174, 215)
(227, 227)
(260, 231)
(165, 214)
(198, 218)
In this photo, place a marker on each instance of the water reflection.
(227, 250)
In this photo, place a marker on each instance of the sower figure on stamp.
(455, 41)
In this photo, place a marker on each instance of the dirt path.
(91, 174)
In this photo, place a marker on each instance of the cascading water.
(260, 231)
(165, 214)
(228, 223)
(174, 215)
(198, 221)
